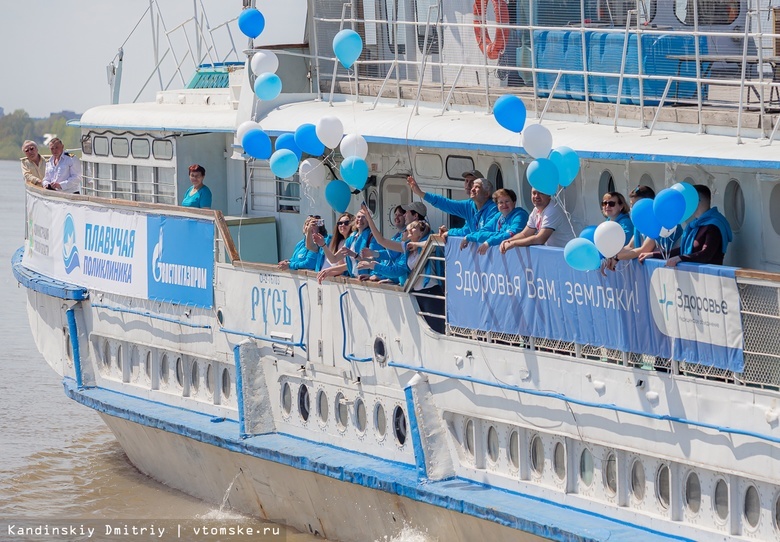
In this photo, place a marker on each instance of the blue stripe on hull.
(43, 284)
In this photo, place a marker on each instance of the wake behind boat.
(557, 403)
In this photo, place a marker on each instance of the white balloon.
(609, 238)
(264, 62)
(354, 145)
(312, 172)
(330, 130)
(537, 141)
(245, 127)
(666, 233)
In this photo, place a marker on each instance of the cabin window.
(286, 398)
(468, 436)
(120, 147)
(774, 208)
(722, 499)
(610, 474)
(303, 402)
(288, 195)
(492, 444)
(86, 144)
(559, 461)
(734, 203)
(710, 12)
(496, 176)
(456, 165)
(663, 485)
(428, 165)
(210, 381)
(270, 194)
(396, 34)
(752, 506)
(399, 425)
(638, 481)
(342, 413)
(88, 179)
(514, 449)
(606, 184)
(537, 455)
(360, 415)
(195, 377)
(380, 422)
(103, 180)
(693, 493)
(424, 8)
(322, 406)
(123, 185)
(647, 180)
(144, 183)
(166, 185)
(140, 148)
(586, 467)
(162, 149)
(100, 145)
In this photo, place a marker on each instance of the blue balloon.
(669, 207)
(588, 233)
(691, 199)
(354, 171)
(543, 176)
(251, 22)
(284, 163)
(644, 219)
(338, 195)
(257, 144)
(287, 141)
(307, 140)
(268, 86)
(347, 45)
(568, 163)
(510, 113)
(582, 255)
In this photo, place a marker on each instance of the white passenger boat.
(641, 405)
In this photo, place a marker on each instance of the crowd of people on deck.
(492, 218)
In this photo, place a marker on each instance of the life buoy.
(495, 47)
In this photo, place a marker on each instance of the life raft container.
(495, 47)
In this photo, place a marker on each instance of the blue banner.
(180, 260)
(690, 313)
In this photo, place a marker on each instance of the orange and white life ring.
(495, 47)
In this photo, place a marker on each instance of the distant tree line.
(17, 127)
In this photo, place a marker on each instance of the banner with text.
(121, 252)
(689, 313)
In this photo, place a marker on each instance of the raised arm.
(389, 244)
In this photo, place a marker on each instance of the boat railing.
(433, 253)
(632, 66)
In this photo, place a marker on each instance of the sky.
(53, 54)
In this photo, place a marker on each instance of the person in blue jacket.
(508, 221)
(476, 211)
(198, 195)
(615, 209)
(303, 257)
(431, 300)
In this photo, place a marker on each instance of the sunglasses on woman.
(608, 203)
(343, 223)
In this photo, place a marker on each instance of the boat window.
(428, 165)
(395, 10)
(752, 506)
(140, 148)
(456, 165)
(492, 444)
(164, 369)
(123, 185)
(586, 467)
(693, 493)
(148, 365)
(537, 455)
(360, 415)
(606, 184)
(638, 481)
(100, 145)
(88, 179)
(104, 183)
(663, 486)
(428, 11)
(514, 449)
(342, 415)
(559, 461)
(379, 420)
(288, 195)
(226, 387)
(86, 144)
(303, 402)
(106, 354)
(734, 203)
(399, 425)
(144, 183)
(166, 185)
(469, 437)
(495, 176)
(119, 147)
(774, 208)
(610, 473)
(525, 196)
(162, 149)
(119, 357)
(286, 398)
(710, 12)
(179, 373)
(322, 406)
(777, 513)
(722, 499)
(647, 180)
(210, 379)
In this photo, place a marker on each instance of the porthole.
(492, 444)
(721, 499)
(195, 376)
(148, 365)
(606, 184)
(164, 369)
(647, 180)
(399, 425)
(638, 481)
(559, 461)
(322, 406)
(734, 204)
(119, 357)
(69, 348)
(610, 473)
(380, 423)
(360, 415)
(210, 378)
(537, 455)
(106, 354)
(220, 317)
(179, 372)
(342, 413)
(226, 387)
(693, 493)
(752, 506)
(469, 437)
(286, 398)
(774, 208)
(120, 148)
(380, 351)
(777, 513)
(586, 467)
(135, 364)
(514, 449)
(663, 486)
(303, 402)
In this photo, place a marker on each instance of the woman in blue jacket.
(303, 257)
(508, 221)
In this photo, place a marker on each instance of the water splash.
(407, 534)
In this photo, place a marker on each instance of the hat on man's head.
(474, 173)
(416, 206)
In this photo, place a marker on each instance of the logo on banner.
(665, 302)
(70, 252)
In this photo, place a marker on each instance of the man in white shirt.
(547, 225)
(62, 170)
